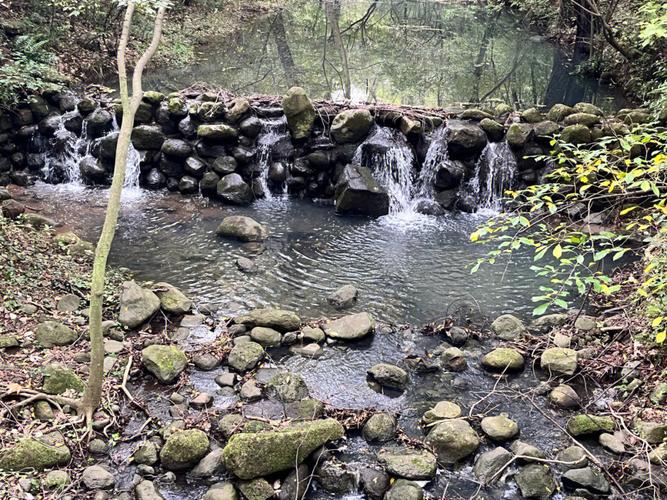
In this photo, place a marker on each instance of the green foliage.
(621, 182)
(654, 25)
(30, 68)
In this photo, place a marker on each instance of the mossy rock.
(163, 361)
(299, 112)
(217, 132)
(576, 134)
(532, 115)
(153, 97)
(288, 387)
(583, 424)
(7, 341)
(30, 453)
(587, 107)
(172, 300)
(351, 125)
(279, 319)
(508, 327)
(279, 450)
(475, 114)
(503, 109)
(409, 463)
(245, 356)
(503, 359)
(494, 130)
(54, 333)
(184, 449)
(59, 378)
(582, 118)
(558, 112)
(518, 134)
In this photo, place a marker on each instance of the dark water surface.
(404, 52)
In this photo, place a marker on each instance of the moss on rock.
(184, 449)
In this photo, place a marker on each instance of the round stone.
(500, 427)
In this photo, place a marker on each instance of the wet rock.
(351, 125)
(233, 189)
(346, 296)
(242, 228)
(219, 132)
(184, 449)
(245, 356)
(389, 376)
(490, 463)
(155, 179)
(565, 396)
(165, 362)
(336, 477)
(30, 453)
(309, 350)
(299, 112)
(58, 379)
(188, 185)
(148, 137)
(373, 482)
(311, 334)
(209, 466)
(209, 183)
(96, 477)
(583, 424)
(146, 490)
(441, 411)
(588, 478)
(54, 333)
(572, 457)
(500, 427)
(287, 387)
(98, 123)
(518, 134)
(380, 428)
(57, 480)
(453, 440)
(408, 463)
(403, 489)
(508, 327)
(279, 319)
(146, 453)
(652, 432)
(221, 491)
(503, 359)
(559, 361)
(172, 300)
(280, 450)
(526, 450)
(465, 140)
(612, 442)
(267, 337)
(535, 481)
(206, 361)
(358, 193)
(453, 359)
(226, 379)
(295, 484)
(352, 327)
(457, 336)
(137, 304)
(576, 134)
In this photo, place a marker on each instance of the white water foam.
(495, 173)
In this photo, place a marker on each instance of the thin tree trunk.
(93, 393)
(284, 52)
(332, 11)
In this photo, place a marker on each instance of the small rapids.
(273, 130)
(495, 173)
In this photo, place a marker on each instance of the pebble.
(309, 350)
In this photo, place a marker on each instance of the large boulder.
(137, 305)
(559, 361)
(165, 362)
(358, 193)
(233, 189)
(453, 440)
(352, 327)
(172, 300)
(299, 112)
(148, 137)
(279, 450)
(279, 319)
(54, 333)
(465, 140)
(242, 228)
(351, 125)
(184, 449)
(38, 454)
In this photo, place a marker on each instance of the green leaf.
(558, 251)
(541, 309)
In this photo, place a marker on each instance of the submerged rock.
(409, 463)
(165, 362)
(352, 327)
(453, 440)
(137, 305)
(242, 228)
(389, 376)
(184, 449)
(358, 193)
(280, 450)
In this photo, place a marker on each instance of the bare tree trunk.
(284, 52)
(332, 11)
(93, 393)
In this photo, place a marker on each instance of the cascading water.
(495, 172)
(273, 130)
(65, 151)
(436, 155)
(388, 155)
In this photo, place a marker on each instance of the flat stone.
(192, 320)
(209, 465)
(526, 450)
(561, 340)
(499, 427)
(54, 333)
(165, 362)
(206, 361)
(352, 327)
(652, 432)
(113, 346)
(612, 442)
(226, 379)
(588, 478)
(442, 410)
(69, 303)
(172, 300)
(97, 478)
(388, 375)
(586, 323)
(409, 463)
(503, 359)
(146, 490)
(8, 341)
(583, 424)
(572, 457)
(308, 351)
(246, 265)
(278, 319)
(201, 401)
(453, 440)
(250, 391)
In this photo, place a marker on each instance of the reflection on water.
(408, 52)
(408, 269)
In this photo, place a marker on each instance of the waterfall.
(65, 151)
(495, 172)
(273, 130)
(436, 155)
(389, 156)
(132, 168)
